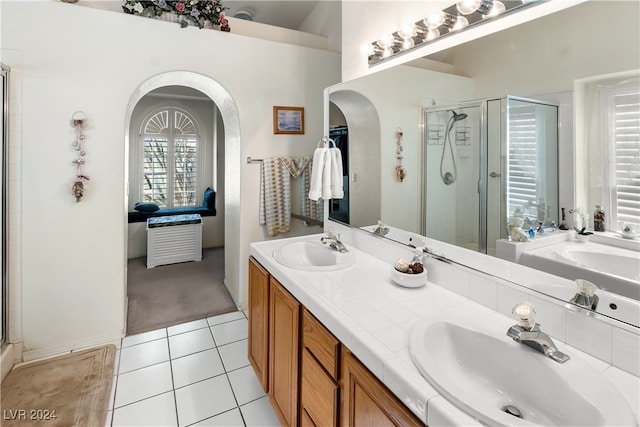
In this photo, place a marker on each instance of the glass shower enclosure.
(486, 163)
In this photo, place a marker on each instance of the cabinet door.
(259, 321)
(366, 401)
(284, 329)
(318, 393)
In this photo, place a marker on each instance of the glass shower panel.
(532, 162)
(452, 150)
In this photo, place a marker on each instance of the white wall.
(74, 58)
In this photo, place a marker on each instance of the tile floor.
(193, 374)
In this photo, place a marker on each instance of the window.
(171, 150)
(621, 119)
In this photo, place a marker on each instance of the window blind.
(521, 161)
(626, 145)
(171, 150)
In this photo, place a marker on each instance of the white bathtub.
(610, 268)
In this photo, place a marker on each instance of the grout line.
(173, 383)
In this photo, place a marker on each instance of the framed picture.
(288, 120)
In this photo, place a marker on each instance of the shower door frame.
(482, 169)
(4, 133)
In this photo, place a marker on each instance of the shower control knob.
(495, 175)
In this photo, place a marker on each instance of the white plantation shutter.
(623, 104)
(170, 167)
(521, 161)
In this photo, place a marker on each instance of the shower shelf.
(435, 135)
(462, 135)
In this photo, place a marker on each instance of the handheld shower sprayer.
(447, 177)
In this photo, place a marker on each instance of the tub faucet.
(528, 332)
(333, 241)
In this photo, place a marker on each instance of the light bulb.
(408, 43)
(387, 52)
(467, 7)
(435, 20)
(460, 23)
(431, 34)
(385, 41)
(407, 31)
(497, 9)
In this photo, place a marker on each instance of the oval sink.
(312, 256)
(501, 382)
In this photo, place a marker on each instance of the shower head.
(457, 117)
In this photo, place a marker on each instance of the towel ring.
(325, 141)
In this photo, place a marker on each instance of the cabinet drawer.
(318, 394)
(321, 344)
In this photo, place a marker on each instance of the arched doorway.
(228, 111)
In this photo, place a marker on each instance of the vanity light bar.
(450, 21)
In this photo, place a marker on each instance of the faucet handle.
(525, 314)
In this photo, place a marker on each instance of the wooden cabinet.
(310, 377)
(366, 401)
(259, 321)
(284, 335)
(319, 388)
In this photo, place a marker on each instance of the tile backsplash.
(607, 339)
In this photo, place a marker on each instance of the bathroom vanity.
(331, 342)
(311, 378)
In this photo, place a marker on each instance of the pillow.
(146, 207)
(209, 200)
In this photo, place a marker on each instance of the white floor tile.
(234, 355)
(190, 342)
(259, 413)
(203, 400)
(143, 355)
(144, 337)
(196, 367)
(155, 411)
(143, 383)
(230, 418)
(245, 385)
(229, 332)
(187, 327)
(227, 317)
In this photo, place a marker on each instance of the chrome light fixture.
(458, 17)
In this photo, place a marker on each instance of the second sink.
(501, 382)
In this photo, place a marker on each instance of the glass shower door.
(452, 150)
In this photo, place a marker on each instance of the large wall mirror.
(532, 68)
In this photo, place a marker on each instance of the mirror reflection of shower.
(485, 163)
(448, 177)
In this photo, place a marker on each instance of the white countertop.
(372, 316)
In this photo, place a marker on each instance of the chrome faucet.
(381, 230)
(528, 332)
(333, 241)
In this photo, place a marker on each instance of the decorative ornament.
(400, 172)
(78, 122)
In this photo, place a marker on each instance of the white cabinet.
(172, 239)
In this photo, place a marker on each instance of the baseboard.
(7, 360)
(56, 350)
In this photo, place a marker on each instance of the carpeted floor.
(171, 294)
(69, 390)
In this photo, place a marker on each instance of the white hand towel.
(315, 186)
(326, 175)
(337, 191)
